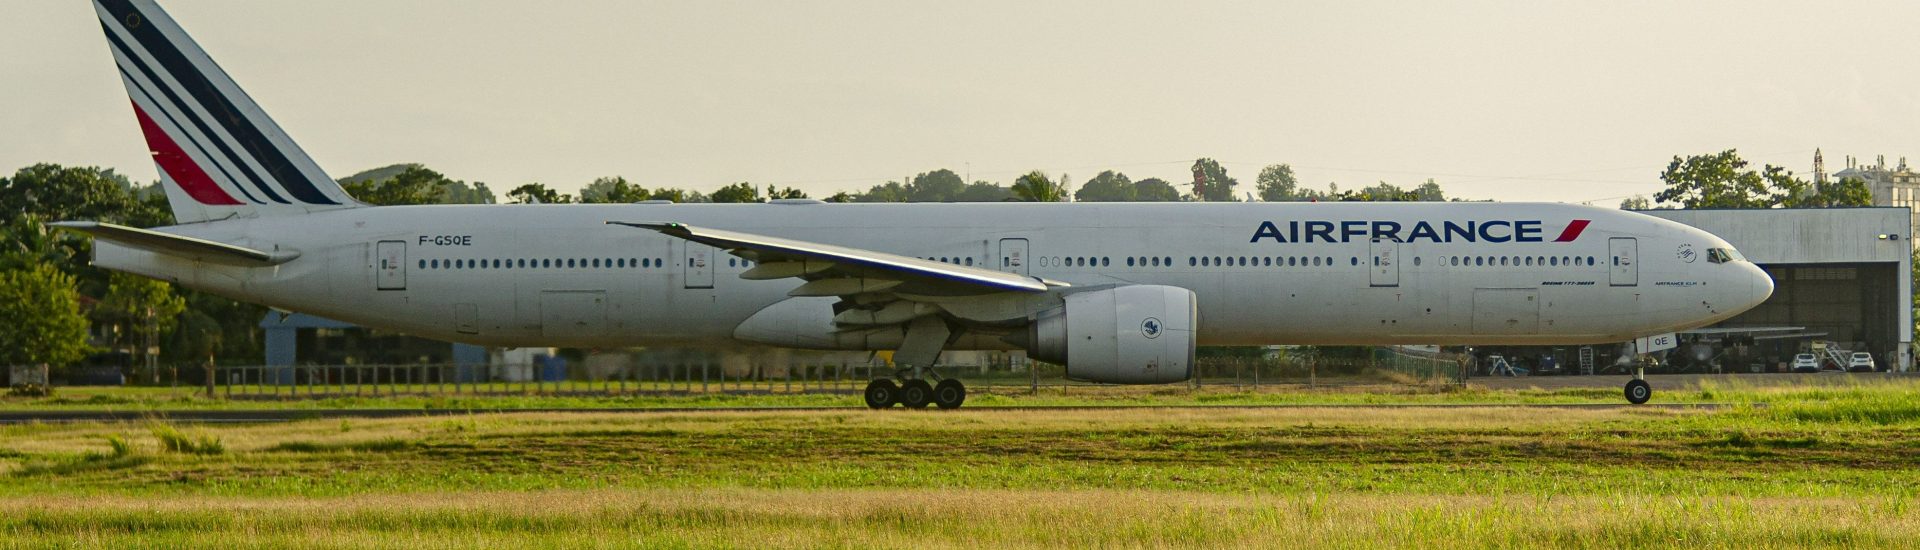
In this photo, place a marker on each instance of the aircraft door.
(1624, 261)
(1013, 256)
(391, 264)
(698, 265)
(1386, 263)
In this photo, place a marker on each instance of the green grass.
(1827, 466)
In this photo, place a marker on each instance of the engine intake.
(1138, 334)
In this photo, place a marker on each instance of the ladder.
(1838, 356)
(1586, 360)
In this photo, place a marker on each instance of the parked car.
(1805, 362)
(1860, 361)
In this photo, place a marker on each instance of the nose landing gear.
(1638, 390)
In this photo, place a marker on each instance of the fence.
(323, 381)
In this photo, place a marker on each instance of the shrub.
(173, 440)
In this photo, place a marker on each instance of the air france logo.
(1492, 231)
(1685, 253)
(1150, 328)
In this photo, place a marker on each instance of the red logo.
(1573, 231)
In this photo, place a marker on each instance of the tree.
(784, 193)
(1719, 180)
(1793, 192)
(458, 192)
(1636, 202)
(1108, 186)
(891, 191)
(1211, 182)
(937, 186)
(739, 192)
(141, 310)
(1277, 183)
(1035, 187)
(41, 311)
(538, 193)
(60, 193)
(613, 189)
(416, 184)
(982, 191)
(676, 194)
(1155, 190)
(1723, 180)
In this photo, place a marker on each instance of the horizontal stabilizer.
(177, 245)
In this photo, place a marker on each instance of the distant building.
(1898, 186)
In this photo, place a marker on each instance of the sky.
(1512, 101)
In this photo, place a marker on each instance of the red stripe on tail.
(1573, 231)
(179, 166)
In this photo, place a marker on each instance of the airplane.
(1117, 292)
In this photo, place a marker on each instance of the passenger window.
(1416, 261)
(1104, 261)
(969, 261)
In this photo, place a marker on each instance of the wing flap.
(178, 245)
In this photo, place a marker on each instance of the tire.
(881, 394)
(949, 394)
(916, 394)
(1639, 391)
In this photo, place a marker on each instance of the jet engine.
(1137, 334)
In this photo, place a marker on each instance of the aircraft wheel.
(1639, 391)
(916, 394)
(949, 394)
(882, 394)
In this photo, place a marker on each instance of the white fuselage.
(1480, 273)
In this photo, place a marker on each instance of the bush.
(174, 441)
(30, 390)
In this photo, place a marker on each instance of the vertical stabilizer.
(218, 154)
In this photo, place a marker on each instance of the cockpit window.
(1724, 255)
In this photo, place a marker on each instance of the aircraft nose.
(1761, 284)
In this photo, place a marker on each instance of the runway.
(230, 416)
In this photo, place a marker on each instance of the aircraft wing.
(837, 270)
(178, 245)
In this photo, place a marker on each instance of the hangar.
(1843, 275)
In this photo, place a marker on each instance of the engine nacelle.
(1138, 334)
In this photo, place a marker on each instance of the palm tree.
(1035, 187)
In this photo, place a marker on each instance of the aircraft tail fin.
(218, 154)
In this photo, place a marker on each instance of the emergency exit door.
(1624, 261)
(1013, 256)
(697, 265)
(390, 258)
(1386, 263)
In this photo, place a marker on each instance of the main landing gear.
(915, 393)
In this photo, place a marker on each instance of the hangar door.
(1625, 262)
(391, 257)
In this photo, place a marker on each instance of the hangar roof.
(1806, 235)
